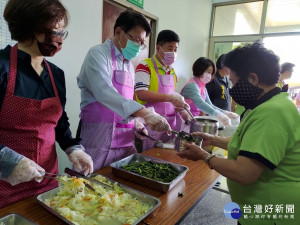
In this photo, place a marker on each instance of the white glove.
(157, 122)
(140, 128)
(231, 115)
(80, 159)
(184, 115)
(223, 119)
(178, 101)
(25, 170)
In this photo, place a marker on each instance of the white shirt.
(95, 81)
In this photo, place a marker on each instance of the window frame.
(241, 38)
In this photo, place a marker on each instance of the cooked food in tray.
(183, 138)
(151, 172)
(80, 204)
(156, 171)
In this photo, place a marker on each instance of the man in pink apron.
(106, 83)
(155, 82)
(32, 100)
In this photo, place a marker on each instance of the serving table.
(198, 181)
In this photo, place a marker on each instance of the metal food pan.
(154, 184)
(139, 195)
(15, 219)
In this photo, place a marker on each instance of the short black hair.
(254, 58)
(201, 64)
(30, 17)
(287, 66)
(129, 19)
(167, 36)
(220, 62)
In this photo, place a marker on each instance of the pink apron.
(105, 139)
(194, 109)
(166, 85)
(28, 127)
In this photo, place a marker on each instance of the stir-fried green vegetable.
(156, 171)
(183, 138)
(188, 137)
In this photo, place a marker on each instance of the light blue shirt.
(95, 81)
(9, 159)
(192, 91)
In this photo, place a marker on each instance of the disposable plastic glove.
(81, 160)
(178, 101)
(231, 115)
(223, 119)
(184, 115)
(25, 170)
(140, 128)
(157, 122)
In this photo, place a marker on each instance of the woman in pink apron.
(106, 83)
(196, 95)
(32, 99)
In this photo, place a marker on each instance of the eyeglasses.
(64, 34)
(136, 41)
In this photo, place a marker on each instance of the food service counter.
(198, 181)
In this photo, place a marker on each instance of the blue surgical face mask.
(131, 50)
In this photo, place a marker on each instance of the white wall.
(190, 21)
(85, 31)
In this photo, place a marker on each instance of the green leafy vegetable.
(156, 171)
(188, 137)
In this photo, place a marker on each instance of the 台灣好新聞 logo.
(232, 210)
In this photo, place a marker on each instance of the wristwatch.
(209, 157)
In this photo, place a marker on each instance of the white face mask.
(206, 78)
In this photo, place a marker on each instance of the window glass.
(238, 19)
(283, 16)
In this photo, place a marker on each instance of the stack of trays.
(15, 219)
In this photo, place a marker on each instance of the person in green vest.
(155, 83)
(262, 169)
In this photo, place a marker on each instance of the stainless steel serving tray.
(139, 195)
(157, 185)
(15, 219)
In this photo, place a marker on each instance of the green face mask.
(131, 50)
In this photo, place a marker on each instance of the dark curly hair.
(254, 58)
(25, 18)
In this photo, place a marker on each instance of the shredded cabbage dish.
(80, 205)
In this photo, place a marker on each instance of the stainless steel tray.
(139, 195)
(157, 185)
(15, 219)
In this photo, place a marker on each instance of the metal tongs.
(56, 177)
(147, 136)
(50, 175)
(76, 174)
(188, 122)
